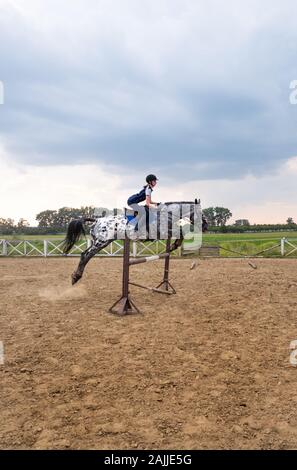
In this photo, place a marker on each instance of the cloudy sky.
(98, 93)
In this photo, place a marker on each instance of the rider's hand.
(162, 207)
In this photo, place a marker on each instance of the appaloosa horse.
(180, 217)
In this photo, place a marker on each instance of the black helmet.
(151, 178)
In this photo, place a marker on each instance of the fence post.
(4, 247)
(45, 246)
(134, 249)
(283, 241)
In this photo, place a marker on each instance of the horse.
(106, 229)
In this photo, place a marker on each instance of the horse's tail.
(74, 232)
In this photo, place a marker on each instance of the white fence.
(287, 247)
(51, 248)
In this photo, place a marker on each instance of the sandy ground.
(207, 368)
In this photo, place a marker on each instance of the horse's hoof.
(75, 278)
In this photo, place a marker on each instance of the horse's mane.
(182, 202)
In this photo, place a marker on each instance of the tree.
(6, 226)
(217, 216)
(88, 211)
(60, 218)
(290, 221)
(242, 222)
(7, 223)
(210, 215)
(46, 218)
(64, 215)
(23, 223)
(102, 211)
(222, 215)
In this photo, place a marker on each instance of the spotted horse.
(104, 230)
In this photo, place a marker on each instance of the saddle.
(130, 215)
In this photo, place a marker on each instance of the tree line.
(56, 221)
(50, 221)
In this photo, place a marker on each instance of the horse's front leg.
(176, 244)
(85, 258)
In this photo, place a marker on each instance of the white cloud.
(271, 198)
(26, 190)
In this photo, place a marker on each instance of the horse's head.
(197, 215)
(189, 213)
(204, 224)
(204, 219)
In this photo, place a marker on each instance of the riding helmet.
(151, 178)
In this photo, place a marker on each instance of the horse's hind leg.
(85, 258)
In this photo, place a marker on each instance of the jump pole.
(125, 305)
(165, 284)
(152, 289)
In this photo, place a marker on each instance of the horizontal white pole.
(152, 258)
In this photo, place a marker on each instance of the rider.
(144, 195)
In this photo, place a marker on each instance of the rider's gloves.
(162, 207)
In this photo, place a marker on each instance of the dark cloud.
(102, 103)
